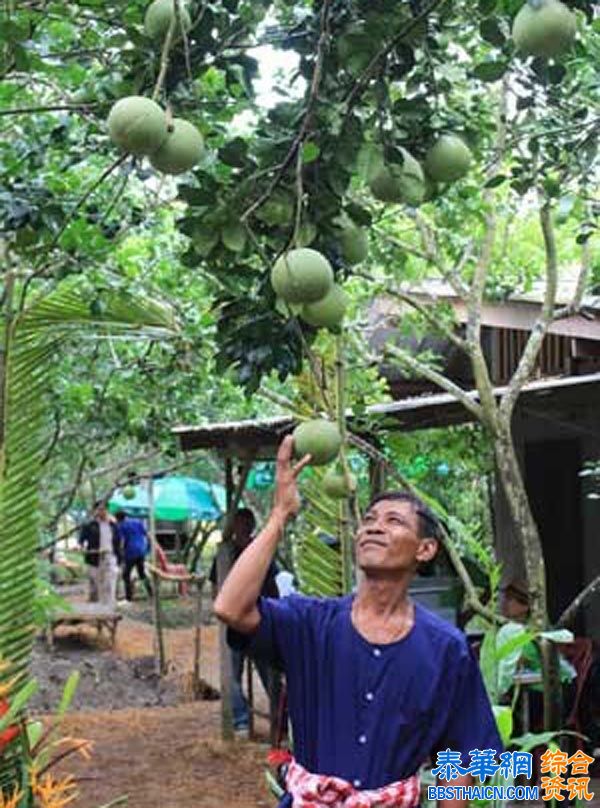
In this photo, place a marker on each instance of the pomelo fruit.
(544, 28)
(319, 438)
(336, 486)
(448, 159)
(181, 150)
(279, 209)
(302, 276)
(327, 312)
(356, 48)
(399, 183)
(354, 243)
(129, 492)
(137, 125)
(234, 236)
(159, 15)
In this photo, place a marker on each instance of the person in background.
(244, 524)
(99, 539)
(514, 604)
(135, 547)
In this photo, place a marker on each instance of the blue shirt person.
(135, 548)
(376, 683)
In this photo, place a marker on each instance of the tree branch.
(423, 309)
(409, 361)
(570, 612)
(431, 250)
(53, 108)
(574, 306)
(363, 82)
(305, 127)
(536, 338)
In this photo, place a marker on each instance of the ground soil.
(151, 740)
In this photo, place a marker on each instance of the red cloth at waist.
(323, 791)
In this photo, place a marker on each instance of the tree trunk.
(525, 526)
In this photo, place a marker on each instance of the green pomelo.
(205, 239)
(129, 492)
(448, 159)
(159, 15)
(319, 438)
(181, 150)
(399, 183)
(302, 276)
(234, 237)
(327, 312)
(336, 486)
(354, 244)
(278, 209)
(547, 30)
(356, 50)
(137, 125)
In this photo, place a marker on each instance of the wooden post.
(197, 640)
(224, 563)
(160, 640)
(250, 695)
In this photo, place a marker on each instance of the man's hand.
(287, 498)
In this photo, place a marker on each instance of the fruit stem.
(164, 56)
(343, 510)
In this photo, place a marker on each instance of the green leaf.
(234, 153)
(504, 721)
(491, 32)
(510, 638)
(488, 664)
(496, 181)
(310, 152)
(67, 694)
(487, 6)
(530, 740)
(490, 71)
(35, 731)
(17, 703)
(558, 635)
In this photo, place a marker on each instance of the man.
(377, 684)
(134, 546)
(244, 524)
(100, 541)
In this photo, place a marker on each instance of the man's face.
(242, 532)
(388, 539)
(101, 513)
(513, 606)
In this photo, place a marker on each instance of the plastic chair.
(176, 570)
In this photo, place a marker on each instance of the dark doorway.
(554, 488)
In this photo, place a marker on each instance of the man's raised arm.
(236, 603)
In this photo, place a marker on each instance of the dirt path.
(160, 756)
(166, 758)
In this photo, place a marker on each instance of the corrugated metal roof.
(260, 438)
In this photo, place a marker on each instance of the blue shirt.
(372, 713)
(134, 537)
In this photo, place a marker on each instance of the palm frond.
(36, 338)
(318, 566)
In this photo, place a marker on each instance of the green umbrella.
(176, 499)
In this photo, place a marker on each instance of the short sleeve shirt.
(372, 713)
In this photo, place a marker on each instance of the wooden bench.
(96, 614)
